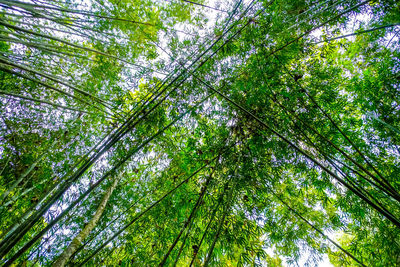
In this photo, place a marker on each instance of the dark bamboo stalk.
(188, 221)
(395, 221)
(30, 7)
(144, 212)
(207, 227)
(7, 244)
(220, 224)
(357, 33)
(382, 180)
(317, 229)
(46, 102)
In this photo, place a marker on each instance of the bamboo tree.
(138, 216)
(221, 222)
(188, 221)
(78, 239)
(208, 226)
(291, 112)
(382, 180)
(24, 174)
(394, 220)
(80, 198)
(44, 102)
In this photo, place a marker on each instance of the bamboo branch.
(46, 102)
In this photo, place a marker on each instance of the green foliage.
(270, 131)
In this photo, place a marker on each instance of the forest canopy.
(199, 133)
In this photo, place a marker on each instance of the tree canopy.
(199, 133)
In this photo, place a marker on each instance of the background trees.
(276, 128)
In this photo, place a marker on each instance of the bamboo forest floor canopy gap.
(272, 89)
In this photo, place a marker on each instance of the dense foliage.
(191, 133)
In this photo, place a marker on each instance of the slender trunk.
(25, 217)
(108, 224)
(195, 252)
(31, 7)
(16, 183)
(54, 29)
(355, 184)
(395, 221)
(59, 80)
(5, 165)
(138, 216)
(188, 221)
(220, 225)
(332, 6)
(210, 7)
(76, 242)
(45, 102)
(5, 24)
(28, 171)
(357, 33)
(16, 197)
(48, 86)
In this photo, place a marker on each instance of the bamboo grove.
(199, 133)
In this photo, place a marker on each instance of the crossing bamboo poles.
(12, 239)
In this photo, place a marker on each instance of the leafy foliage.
(260, 133)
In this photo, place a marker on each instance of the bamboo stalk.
(77, 241)
(46, 102)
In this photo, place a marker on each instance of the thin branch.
(47, 103)
(357, 33)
